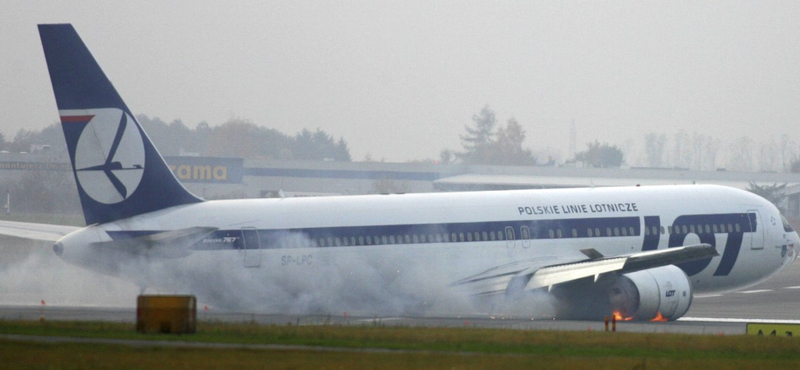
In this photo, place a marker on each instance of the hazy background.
(399, 80)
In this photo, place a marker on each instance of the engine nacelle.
(662, 293)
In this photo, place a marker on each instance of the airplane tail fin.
(118, 171)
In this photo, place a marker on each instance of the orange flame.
(618, 316)
(660, 318)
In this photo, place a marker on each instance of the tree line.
(235, 138)
(488, 143)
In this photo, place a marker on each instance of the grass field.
(417, 348)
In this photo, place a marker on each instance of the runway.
(91, 297)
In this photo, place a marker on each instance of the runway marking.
(727, 320)
(792, 287)
(754, 291)
(707, 295)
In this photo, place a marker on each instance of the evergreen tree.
(601, 155)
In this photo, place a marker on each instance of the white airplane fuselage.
(290, 242)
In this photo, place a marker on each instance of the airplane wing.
(34, 231)
(535, 274)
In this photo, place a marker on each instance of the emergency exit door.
(252, 247)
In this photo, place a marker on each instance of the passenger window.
(691, 229)
(369, 240)
(391, 239)
(738, 228)
(608, 231)
(589, 232)
(708, 229)
(597, 232)
(552, 235)
(646, 231)
(469, 237)
(321, 242)
(461, 237)
(383, 239)
(630, 231)
(453, 237)
(438, 238)
(360, 240)
(574, 233)
(492, 236)
(730, 228)
(423, 238)
(662, 230)
(714, 226)
(446, 238)
(616, 231)
(624, 232)
(558, 232)
(485, 237)
(685, 229)
(499, 235)
(477, 236)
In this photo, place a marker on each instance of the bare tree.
(654, 145)
(741, 155)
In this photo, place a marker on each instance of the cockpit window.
(786, 226)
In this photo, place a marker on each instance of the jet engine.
(663, 293)
(656, 294)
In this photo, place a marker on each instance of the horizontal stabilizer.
(30, 230)
(167, 244)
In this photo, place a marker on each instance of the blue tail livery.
(119, 172)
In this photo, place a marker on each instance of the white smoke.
(363, 284)
(31, 273)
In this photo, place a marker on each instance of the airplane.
(641, 253)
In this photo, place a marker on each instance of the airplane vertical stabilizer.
(118, 171)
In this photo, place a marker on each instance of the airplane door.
(252, 247)
(525, 235)
(760, 229)
(510, 240)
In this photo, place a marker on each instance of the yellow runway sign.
(775, 330)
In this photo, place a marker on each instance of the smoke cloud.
(373, 282)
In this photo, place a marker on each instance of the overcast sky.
(399, 80)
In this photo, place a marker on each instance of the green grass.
(451, 347)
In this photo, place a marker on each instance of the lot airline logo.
(109, 156)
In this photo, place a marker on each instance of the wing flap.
(496, 280)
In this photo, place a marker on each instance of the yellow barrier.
(775, 330)
(175, 314)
